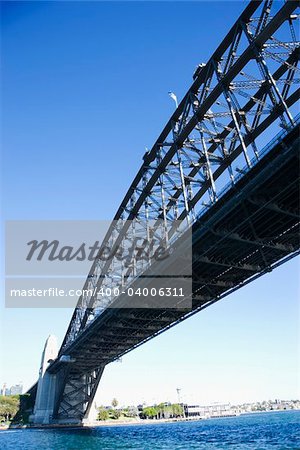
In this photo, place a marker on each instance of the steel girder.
(217, 123)
(245, 92)
(236, 240)
(75, 394)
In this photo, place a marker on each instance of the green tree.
(115, 413)
(168, 411)
(102, 413)
(150, 412)
(9, 406)
(125, 412)
(161, 410)
(177, 410)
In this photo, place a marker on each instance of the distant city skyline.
(15, 389)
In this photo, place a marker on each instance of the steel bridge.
(225, 166)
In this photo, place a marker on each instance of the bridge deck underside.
(252, 227)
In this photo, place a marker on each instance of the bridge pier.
(64, 397)
(45, 395)
(75, 396)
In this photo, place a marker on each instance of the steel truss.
(216, 136)
(75, 394)
(217, 123)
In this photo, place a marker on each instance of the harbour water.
(274, 430)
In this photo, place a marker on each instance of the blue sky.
(84, 90)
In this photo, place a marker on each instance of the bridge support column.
(66, 396)
(75, 398)
(46, 390)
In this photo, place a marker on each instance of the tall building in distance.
(16, 389)
(4, 390)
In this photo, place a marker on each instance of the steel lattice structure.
(234, 99)
(204, 170)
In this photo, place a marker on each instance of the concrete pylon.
(45, 396)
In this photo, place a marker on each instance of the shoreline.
(96, 424)
(135, 422)
(111, 423)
